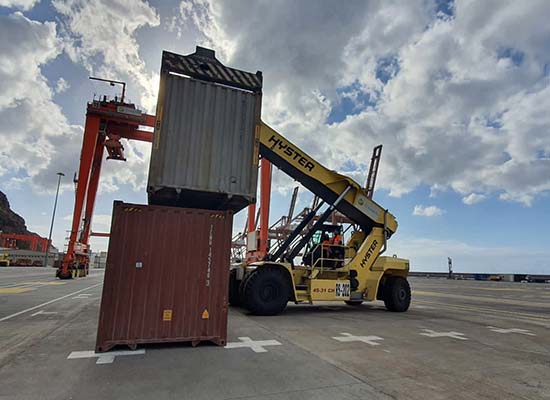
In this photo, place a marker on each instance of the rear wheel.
(266, 291)
(397, 294)
(354, 302)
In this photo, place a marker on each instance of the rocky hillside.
(10, 222)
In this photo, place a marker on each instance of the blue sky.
(457, 93)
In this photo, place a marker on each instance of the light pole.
(59, 175)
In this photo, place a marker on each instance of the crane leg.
(92, 189)
(91, 133)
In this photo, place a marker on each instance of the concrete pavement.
(459, 340)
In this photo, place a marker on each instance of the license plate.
(342, 289)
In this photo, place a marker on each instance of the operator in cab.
(336, 238)
(326, 242)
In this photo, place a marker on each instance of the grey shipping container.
(166, 278)
(205, 146)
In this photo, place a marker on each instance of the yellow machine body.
(316, 283)
(361, 274)
(4, 260)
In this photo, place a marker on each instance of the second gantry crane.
(107, 122)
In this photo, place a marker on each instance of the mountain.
(11, 222)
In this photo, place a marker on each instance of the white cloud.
(473, 198)
(41, 141)
(204, 15)
(61, 85)
(463, 106)
(435, 189)
(427, 211)
(455, 111)
(102, 220)
(133, 172)
(101, 35)
(22, 4)
(29, 43)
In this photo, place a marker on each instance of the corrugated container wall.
(205, 147)
(166, 277)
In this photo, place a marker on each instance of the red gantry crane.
(107, 121)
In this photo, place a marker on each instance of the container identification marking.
(167, 315)
(209, 263)
(323, 290)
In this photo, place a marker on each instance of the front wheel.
(59, 274)
(397, 294)
(266, 291)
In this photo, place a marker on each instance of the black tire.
(233, 297)
(354, 302)
(397, 294)
(266, 291)
(62, 276)
(241, 288)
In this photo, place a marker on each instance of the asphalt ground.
(459, 340)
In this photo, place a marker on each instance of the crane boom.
(324, 183)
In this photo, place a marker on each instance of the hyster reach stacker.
(352, 272)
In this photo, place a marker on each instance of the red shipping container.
(166, 278)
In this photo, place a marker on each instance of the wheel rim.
(402, 294)
(269, 293)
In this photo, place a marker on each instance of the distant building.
(99, 260)
(29, 258)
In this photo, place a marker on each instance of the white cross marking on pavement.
(348, 337)
(452, 334)
(256, 345)
(47, 303)
(104, 358)
(43, 313)
(512, 330)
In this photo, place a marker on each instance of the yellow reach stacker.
(352, 272)
(4, 260)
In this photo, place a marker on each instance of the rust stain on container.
(167, 268)
(205, 147)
